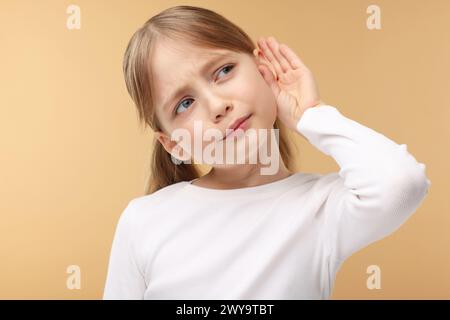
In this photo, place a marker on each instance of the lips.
(236, 125)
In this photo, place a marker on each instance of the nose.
(222, 113)
(219, 107)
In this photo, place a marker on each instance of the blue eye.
(230, 67)
(181, 104)
(226, 67)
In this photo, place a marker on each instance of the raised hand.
(292, 83)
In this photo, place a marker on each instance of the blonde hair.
(201, 27)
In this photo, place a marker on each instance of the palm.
(294, 86)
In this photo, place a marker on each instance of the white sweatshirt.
(281, 240)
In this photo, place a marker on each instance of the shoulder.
(320, 186)
(320, 180)
(146, 204)
(158, 196)
(310, 186)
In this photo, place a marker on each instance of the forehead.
(176, 63)
(169, 55)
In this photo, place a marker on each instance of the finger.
(263, 60)
(291, 57)
(270, 57)
(266, 73)
(274, 46)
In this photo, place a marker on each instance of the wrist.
(299, 115)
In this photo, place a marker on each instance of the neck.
(248, 174)
(243, 175)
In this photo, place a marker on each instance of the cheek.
(263, 100)
(252, 89)
(201, 135)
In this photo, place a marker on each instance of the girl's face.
(213, 87)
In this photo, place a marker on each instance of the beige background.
(72, 154)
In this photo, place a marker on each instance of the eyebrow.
(203, 70)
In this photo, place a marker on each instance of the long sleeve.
(379, 184)
(124, 279)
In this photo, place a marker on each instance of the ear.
(265, 68)
(171, 146)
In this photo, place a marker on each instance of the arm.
(124, 279)
(378, 187)
(379, 184)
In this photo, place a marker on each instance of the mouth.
(241, 123)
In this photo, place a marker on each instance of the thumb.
(269, 78)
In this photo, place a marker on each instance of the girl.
(235, 233)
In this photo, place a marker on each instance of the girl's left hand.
(291, 81)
